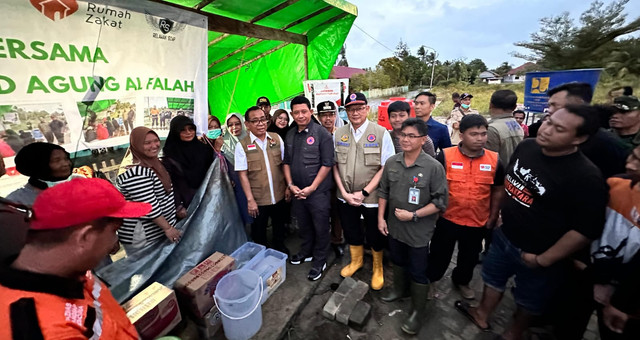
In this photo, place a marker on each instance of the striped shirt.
(141, 184)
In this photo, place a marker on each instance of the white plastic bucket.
(238, 296)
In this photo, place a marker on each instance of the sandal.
(463, 308)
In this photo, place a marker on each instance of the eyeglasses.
(258, 121)
(356, 109)
(410, 136)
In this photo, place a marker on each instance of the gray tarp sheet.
(213, 224)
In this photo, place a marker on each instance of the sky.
(466, 29)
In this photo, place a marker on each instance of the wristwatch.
(415, 216)
(365, 193)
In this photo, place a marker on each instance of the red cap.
(82, 200)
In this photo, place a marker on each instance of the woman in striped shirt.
(147, 181)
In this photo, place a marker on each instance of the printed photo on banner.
(24, 124)
(160, 110)
(105, 119)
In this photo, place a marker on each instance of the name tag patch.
(371, 145)
(251, 147)
(485, 167)
(343, 144)
(457, 165)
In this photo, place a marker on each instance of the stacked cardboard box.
(154, 312)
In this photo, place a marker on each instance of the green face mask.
(465, 106)
(215, 133)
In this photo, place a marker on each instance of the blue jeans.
(533, 286)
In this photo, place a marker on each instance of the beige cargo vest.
(257, 173)
(359, 161)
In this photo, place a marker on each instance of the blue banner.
(538, 83)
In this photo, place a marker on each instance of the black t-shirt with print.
(549, 196)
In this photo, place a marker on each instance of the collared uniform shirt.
(306, 152)
(241, 158)
(439, 134)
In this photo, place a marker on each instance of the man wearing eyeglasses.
(413, 190)
(259, 165)
(361, 149)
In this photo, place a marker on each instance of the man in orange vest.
(48, 292)
(476, 185)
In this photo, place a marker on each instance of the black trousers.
(414, 260)
(572, 305)
(443, 242)
(354, 233)
(259, 225)
(313, 220)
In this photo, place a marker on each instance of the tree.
(394, 68)
(422, 54)
(475, 67)
(503, 69)
(402, 50)
(561, 44)
(343, 57)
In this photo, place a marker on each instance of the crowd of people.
(548, 205)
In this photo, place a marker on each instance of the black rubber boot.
(400, 288)
(419, 294)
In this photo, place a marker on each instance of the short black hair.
(628, 91)
(432, 97)
(418, 124)
(300, 100)
(590, 116)
(519, 111)
(472, 120)
(506, 100)
(455, 95)
(399, 106)
(253, 108)
(574, 89)
(604, 114)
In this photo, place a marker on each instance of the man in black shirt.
(307, 162)
(555, 206)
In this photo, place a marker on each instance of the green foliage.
(481, 96)
(593, 43)
(503, 68)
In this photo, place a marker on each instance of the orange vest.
(67, 318)
(470, 181)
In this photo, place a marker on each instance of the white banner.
(335, 90)
(82, 74)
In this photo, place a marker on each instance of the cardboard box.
(196, 288)
(212, 324)
(154, 312)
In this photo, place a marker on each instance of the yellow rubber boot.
(377, 279)
(356, 261)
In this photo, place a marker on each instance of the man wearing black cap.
(265, 105)
(327, 117)
(361, 149)
(626, 122)
(456, 116)
(48, 291)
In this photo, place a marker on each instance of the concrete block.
(351, 299)
(360, 315)
(346, 285)
(331, 307)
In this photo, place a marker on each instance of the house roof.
(521, 68)
(339, 72)
(488, 74)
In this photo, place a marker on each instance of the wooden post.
(306, 63)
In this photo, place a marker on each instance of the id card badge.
(414, 195)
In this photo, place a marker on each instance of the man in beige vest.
(361, 149)
(504, 133)
(259, 165)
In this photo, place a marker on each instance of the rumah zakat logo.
(55, 9)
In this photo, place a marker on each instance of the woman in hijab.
(235, 132)
(280, 123)
(187, 160)
(147, 180)
(46, 165)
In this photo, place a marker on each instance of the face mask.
(343, 114)
(213, 134)
(53, 183)
(465, 106)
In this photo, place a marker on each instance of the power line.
(374, 39)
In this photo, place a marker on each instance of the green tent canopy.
(268, 47)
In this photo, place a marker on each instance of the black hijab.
(193, 157)
(33, 161)
(274, 128)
